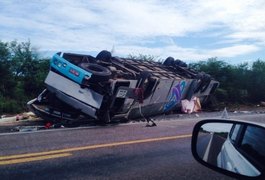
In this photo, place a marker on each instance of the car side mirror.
(235, 148)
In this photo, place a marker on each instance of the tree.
(238, 83)
(219, 70)
(28, 69)
(22, 75)
(256, 83)
(6, 81)
(145, 57)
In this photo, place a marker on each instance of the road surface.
(209, 146)
(129, 151)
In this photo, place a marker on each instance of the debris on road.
(22, 117)
(190, 106)
(28, 128)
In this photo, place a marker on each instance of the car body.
(234, 157)
(68, 69)
(107, 88)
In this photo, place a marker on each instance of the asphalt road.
(130, 151)
(215, 149)
(203, 141)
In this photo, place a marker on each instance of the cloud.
(138, 26)
(234, 50)
(188, 53)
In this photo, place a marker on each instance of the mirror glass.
(236, 147)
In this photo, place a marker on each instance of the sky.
(217, 127)
(190, 30)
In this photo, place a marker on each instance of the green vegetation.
(145, 57)
(244, 83)
(22, 74)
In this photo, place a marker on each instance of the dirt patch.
(242, 107)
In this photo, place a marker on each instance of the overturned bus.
(106, 88)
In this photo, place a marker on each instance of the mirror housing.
(230, 147)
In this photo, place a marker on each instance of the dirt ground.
(243, 107)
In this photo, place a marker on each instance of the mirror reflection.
(238, 148)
